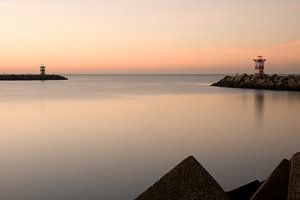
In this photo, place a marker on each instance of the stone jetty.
(189, 180)
(31, 77)
(269, 82)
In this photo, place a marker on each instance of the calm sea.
(110, 137)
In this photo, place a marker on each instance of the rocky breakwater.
(31, 77)
(269, 82)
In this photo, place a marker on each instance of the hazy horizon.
(142, 36)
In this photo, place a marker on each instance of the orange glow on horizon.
(148, 37)
(189, 60)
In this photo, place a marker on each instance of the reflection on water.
(111, 137)
(259, 105)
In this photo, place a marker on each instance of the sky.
(149, 36)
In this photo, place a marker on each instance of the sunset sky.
(149, 36)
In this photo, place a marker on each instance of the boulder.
(244, 192)
(260, 83)
(276, 186)
(187, 181)
(294, 185)
(274, 77)
(292, 83)
(269, 83)
(282, 78)
(237, 79)
(278, 85)
(291, 76)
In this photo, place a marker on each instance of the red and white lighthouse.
(259, 65)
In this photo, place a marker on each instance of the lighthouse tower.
(259, 65)
(43, 69)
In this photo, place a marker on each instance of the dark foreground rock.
(276, 186)
(269, 82)
(244, 192)
(190, 181)
(294, 186)
(187, 181)
(31, 77)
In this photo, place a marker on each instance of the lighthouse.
(259, 65)
(43, 69)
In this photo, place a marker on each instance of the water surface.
(112, 136)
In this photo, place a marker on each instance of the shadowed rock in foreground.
(187, 181)
(244, 192)
(294, 186)
(31, 77)
(276, 186)
(190, 181)
(269, 82)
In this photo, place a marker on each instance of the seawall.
(31, 77)
(269, 82)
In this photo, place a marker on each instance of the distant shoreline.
(31, 77)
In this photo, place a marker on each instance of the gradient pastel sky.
(149, 36)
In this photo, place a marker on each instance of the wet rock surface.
(269, 82)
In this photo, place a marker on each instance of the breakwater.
(269, 82)
(31, 77)
(190, 180)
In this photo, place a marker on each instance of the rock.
(259, 83)
(190, 181)
(292, 83)
(273, 82)
(294, 186)
(285, 85)
(278, 85)
(187, 181)
(228, 81)
(291, 76)
(31, 77)
(276, 186)
(238, 79)
(269, 83)
(282, 78)
(244, 192)
(273, 76)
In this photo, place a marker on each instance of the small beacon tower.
(43, 69)
(259, 65)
